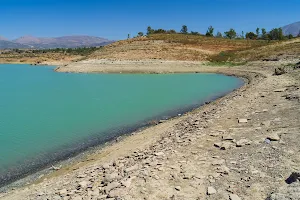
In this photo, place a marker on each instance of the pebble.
(178, 188)
(243, 120)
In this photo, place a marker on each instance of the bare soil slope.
(172, 47)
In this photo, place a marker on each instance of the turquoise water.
(45, 116)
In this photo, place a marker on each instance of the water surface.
(45, 116)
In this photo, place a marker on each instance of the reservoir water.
(47, 116)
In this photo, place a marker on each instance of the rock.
(295, 176)
(105, 166)
(243, 120)
(279, 71)
(223, 169)
(218, 144)
(227, 137)
(234, 197)
(63, 192)
(159, 154)
(243, 142)
(55, 168)
(83, 184)
(178, 188)
(225, 146)
(267, 141)
(132, 168)
(211, 191)
(119, 192)
(273, 137)
(111, 177)
(95, 192)
(127, 182)
(280, 90)
(77, 197)
(111, 186)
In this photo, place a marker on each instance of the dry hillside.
(173, 47)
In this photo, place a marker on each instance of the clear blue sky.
(114, 19)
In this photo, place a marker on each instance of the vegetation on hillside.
(260, 33)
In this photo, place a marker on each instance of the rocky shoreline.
(241, 146)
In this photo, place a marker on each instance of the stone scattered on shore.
(211, 191)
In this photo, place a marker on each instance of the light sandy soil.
(242, 146)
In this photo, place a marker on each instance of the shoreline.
(198, 131)
(32, 175)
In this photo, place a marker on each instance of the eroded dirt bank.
(242, 146)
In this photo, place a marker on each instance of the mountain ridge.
(293, 29)
(71, 41)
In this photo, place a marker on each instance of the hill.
(5, 44)
(62, 42)
(173, 47)
(293, 29)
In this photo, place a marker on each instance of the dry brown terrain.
(172, 47)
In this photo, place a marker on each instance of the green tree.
(172, 31)
(231, 34)
(243, 35)
(219, 35)
(251, 36)
(210, 31)
(128, 36)
(150, 30)
(184, 29)
(140, 34)
(264, 34)
(195, 33)
(276, 34)
(290, 36)
(257, 31)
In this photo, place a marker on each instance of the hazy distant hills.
(4, 44)
(53, 42)
(293, 29)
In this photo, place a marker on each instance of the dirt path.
(242, 146)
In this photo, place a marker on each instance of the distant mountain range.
(293, 29)
(53, 42)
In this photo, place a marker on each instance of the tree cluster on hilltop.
(260, 33)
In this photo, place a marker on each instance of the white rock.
(211, 191)
(234, 197)
(62, 192)
(159, 154)
(132, 168)
(273, 136)
(112, 186)
(243, 120)
(105, 166)
(83, 184)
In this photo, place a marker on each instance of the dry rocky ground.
(242, 146)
